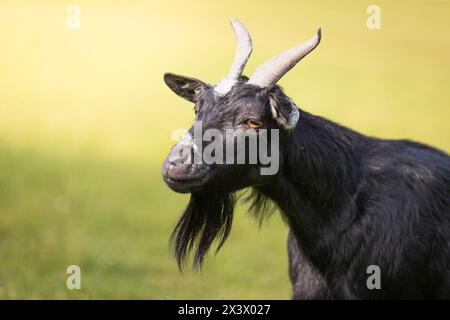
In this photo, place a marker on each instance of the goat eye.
(253, 123)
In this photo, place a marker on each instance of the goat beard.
(208, 216)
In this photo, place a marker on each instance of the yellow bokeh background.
(85, 123)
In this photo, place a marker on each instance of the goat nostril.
(173, 162)
(177, 160)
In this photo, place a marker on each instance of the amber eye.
(253, 123)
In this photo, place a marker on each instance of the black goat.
(351, 201)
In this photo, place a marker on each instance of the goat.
(351, 201)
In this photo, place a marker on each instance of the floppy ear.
(188, 88)
(284, 111)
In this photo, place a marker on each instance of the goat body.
(353, 201)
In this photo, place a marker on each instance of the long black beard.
(209, 216)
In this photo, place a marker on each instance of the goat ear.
(284, 111)
(188, 88)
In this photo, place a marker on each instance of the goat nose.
(170, 165)
(174, 161)
(176, 157)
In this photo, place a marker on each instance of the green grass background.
(85, 123)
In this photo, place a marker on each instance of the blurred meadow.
(85, 123)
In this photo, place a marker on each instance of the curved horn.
(267, 74)
(243, 50)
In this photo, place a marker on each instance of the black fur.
(350, 201)
(353, 201)
(207, 217)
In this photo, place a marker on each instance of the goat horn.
(268, 74)
(243, 50)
